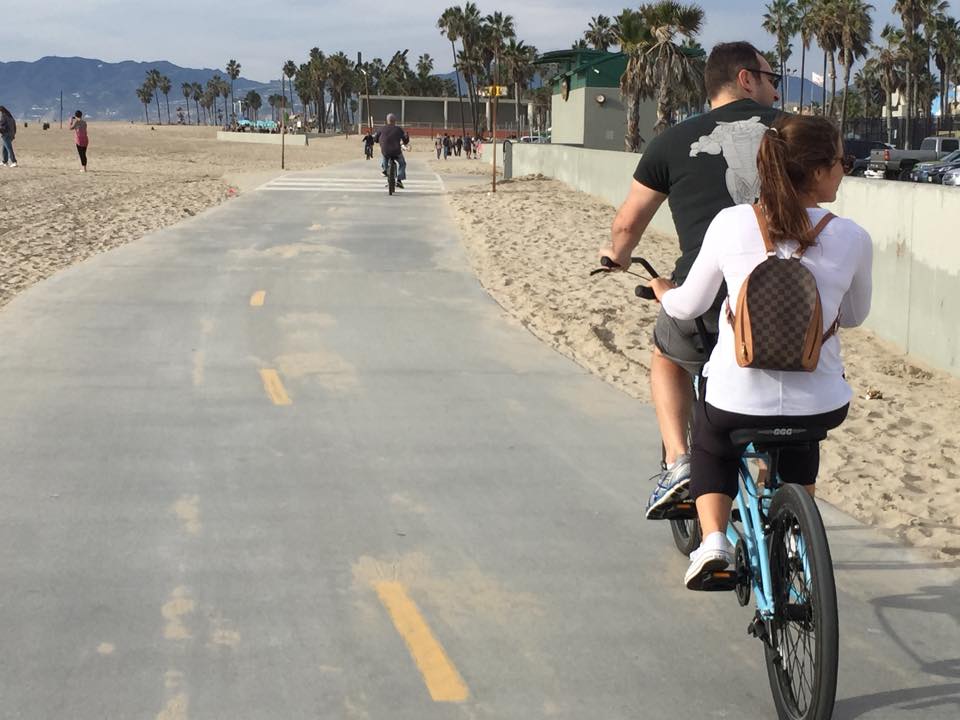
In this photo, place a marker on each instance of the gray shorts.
(679, 341)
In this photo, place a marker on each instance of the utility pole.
(283, 129)
(61, 109)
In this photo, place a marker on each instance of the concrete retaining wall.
(916, 264)
(263, 138)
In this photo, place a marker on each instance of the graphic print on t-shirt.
(738, 142)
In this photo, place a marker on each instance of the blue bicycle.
(782, 561)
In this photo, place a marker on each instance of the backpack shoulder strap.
(764, 230)
(824, 221)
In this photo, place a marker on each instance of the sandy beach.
(893, 464)
(142, 178)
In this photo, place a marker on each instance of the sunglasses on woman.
(846, 162)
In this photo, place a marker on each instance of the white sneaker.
(714, 554)
(12, 165)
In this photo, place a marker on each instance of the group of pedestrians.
(445, 145)
(8, 133)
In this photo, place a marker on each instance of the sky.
(262, 34)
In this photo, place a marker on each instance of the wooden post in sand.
(283, 128)
(494, 139)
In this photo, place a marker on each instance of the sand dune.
(893, 464)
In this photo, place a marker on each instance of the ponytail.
(790, 152)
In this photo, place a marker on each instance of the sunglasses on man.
(775, 78)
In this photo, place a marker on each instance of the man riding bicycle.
(391, 139)
(702, 165)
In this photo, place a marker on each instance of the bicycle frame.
(750, 502)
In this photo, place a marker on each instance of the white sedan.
(952, 177)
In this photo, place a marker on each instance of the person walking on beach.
(438, 146)
(703, 165)
(8, 131)
(459, 145)
(446, 145)
(468, 146)
(79, 127)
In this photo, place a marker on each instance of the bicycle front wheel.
(802, 650)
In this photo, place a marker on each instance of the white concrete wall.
(263, 138)
(567, 117)
(916, 265)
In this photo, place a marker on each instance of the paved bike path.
(287, 459)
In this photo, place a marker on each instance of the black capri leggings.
(82, 151)
(715, 460)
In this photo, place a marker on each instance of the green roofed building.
(586, 108)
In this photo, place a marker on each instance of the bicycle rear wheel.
(392, 176)
(802, 650)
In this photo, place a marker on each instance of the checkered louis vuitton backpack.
(778, 324)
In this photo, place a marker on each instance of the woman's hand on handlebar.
(660, 286)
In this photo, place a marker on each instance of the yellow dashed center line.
(442, 679)
(256, 300)
(274, 388)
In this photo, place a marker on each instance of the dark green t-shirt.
(705, 164)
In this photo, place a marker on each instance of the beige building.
(587, 110)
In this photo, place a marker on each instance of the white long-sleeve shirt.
(733, 246)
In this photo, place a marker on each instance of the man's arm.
(631, 221)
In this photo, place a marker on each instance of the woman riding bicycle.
(801, 164)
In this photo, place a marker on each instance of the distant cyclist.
(368, 143)
(703, 165)
(801, 165)
(391, 139)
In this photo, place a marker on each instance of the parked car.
(952, 177)
(933, 172)
(861, 149)
(897, 164)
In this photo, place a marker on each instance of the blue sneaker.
(672, 487)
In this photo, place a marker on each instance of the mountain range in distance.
(102, 90)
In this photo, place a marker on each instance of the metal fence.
(876, 129)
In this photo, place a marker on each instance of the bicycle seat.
(776, 436)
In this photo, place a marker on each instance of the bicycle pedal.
(720, 581)
(685, 510)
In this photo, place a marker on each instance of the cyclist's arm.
(631, 221)
(699, 290)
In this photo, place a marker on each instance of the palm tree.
(187, 90)
(145, 94)
(600, 33)
(888, 60)
(781, 20)
(225, 94)
(153, 81)
(946, 56)
(213, 91)
(828, 38)
(451, 24)
(805, 26)
(519, 59)
(668, 72)
(634, 37)
(290, 69)
(196, 89)
(233, 72)
(318, 76)
(911, 13)
(254, 102)
(165, 87)
(856, 28)
(341, 72)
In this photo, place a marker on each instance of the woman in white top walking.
(800, 164)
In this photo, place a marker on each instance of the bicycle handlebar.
(641, 291)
